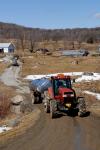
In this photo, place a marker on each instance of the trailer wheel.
(35, 99)
(53, 108)
(32, 98)
(81, 106)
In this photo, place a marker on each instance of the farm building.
(74, 53)
(7, 48)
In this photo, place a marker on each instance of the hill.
(14, 31)
(9, 31)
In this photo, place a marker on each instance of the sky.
(51, 14)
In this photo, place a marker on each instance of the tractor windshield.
(61, 83)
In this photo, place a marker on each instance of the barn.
(7, 48)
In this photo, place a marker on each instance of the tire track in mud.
(77, 135)
(10, 77)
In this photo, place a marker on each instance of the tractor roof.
(60, 76)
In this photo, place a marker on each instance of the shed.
(7, 47)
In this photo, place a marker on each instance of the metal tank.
(40, 85)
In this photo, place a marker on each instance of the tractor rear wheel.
(81, 106)
(53, 108)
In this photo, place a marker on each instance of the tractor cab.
(60, 83)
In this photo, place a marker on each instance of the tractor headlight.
(65, 95)
(68, 95)
(72, 95)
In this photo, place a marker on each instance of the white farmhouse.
(7, 48)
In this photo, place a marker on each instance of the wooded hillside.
(13, 31)
(21, 34)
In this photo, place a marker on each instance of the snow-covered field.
(88, 78)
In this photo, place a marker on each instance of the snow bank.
(88, 78)
(4, 128)
(1, 60)
(97, 95)
(85, 78)
(33, 77)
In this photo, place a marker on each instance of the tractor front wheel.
(53, 108)
(81, 106)
(47, 107)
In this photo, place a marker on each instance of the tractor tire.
(46, 101)
(47, 107)
(53, 108)
(81, 107)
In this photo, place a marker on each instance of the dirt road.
(72, 133)
(10, 77)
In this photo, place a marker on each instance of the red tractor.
(61, 97)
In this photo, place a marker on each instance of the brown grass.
(6, 93)
(6, 90)
(27, 121)
(89, 86)
(3, 66)
(48, 64)
(4, 105)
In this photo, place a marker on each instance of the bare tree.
(32, 46)
(22, 41)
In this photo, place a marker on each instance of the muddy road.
(11, 77)
(72, 133)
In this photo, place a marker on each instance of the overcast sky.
(51, 13)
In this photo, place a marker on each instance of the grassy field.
(39, 64)
(27, 121)
(3, 66)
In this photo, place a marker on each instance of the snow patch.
(97, 95)
(4, 128)
(34, 77)
(1, 60)
(85, 78)
(88, 78)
